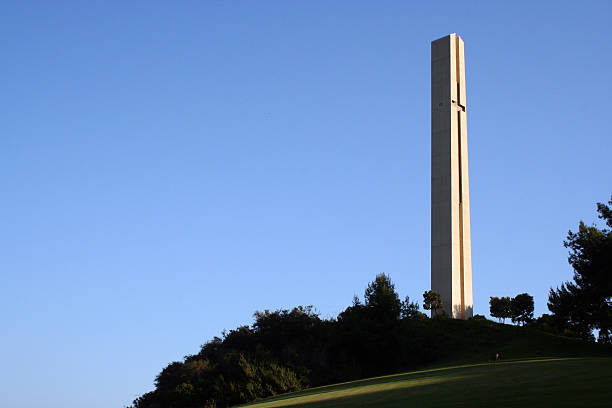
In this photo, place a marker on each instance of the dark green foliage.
(521, 308)
(570, 311)
(287, 350)
(234, 369)
(432, 301)
(410, 310)
(586, 303)
(551, 324)
(382, 299)
(500, 307)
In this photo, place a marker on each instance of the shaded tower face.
(451, 252)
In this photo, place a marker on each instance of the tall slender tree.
(382, 299)
(433, 301)
(585, 303)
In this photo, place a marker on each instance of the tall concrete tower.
(451, 249)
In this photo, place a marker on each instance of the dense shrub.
(231, 380)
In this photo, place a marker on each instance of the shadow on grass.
(534, 382)
(401, 377)
(391, 391)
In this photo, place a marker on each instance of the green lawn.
(550, 382)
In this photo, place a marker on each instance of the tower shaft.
(451, 252)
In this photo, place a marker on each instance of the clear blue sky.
(167, 169)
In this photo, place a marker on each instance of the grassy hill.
(541, 382)
(441, 360)
(537, 369)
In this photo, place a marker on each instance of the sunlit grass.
(524, 383)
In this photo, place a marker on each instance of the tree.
(432, 301)
(569, 313)
(500, 307)
(495, 307)
(410, 310)
(382, 299)
(586, 303)
(521, 307)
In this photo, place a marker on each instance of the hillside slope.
(287, 351)
(559, 382)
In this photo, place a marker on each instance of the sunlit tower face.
(451, 252)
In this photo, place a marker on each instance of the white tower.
(451, 250)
